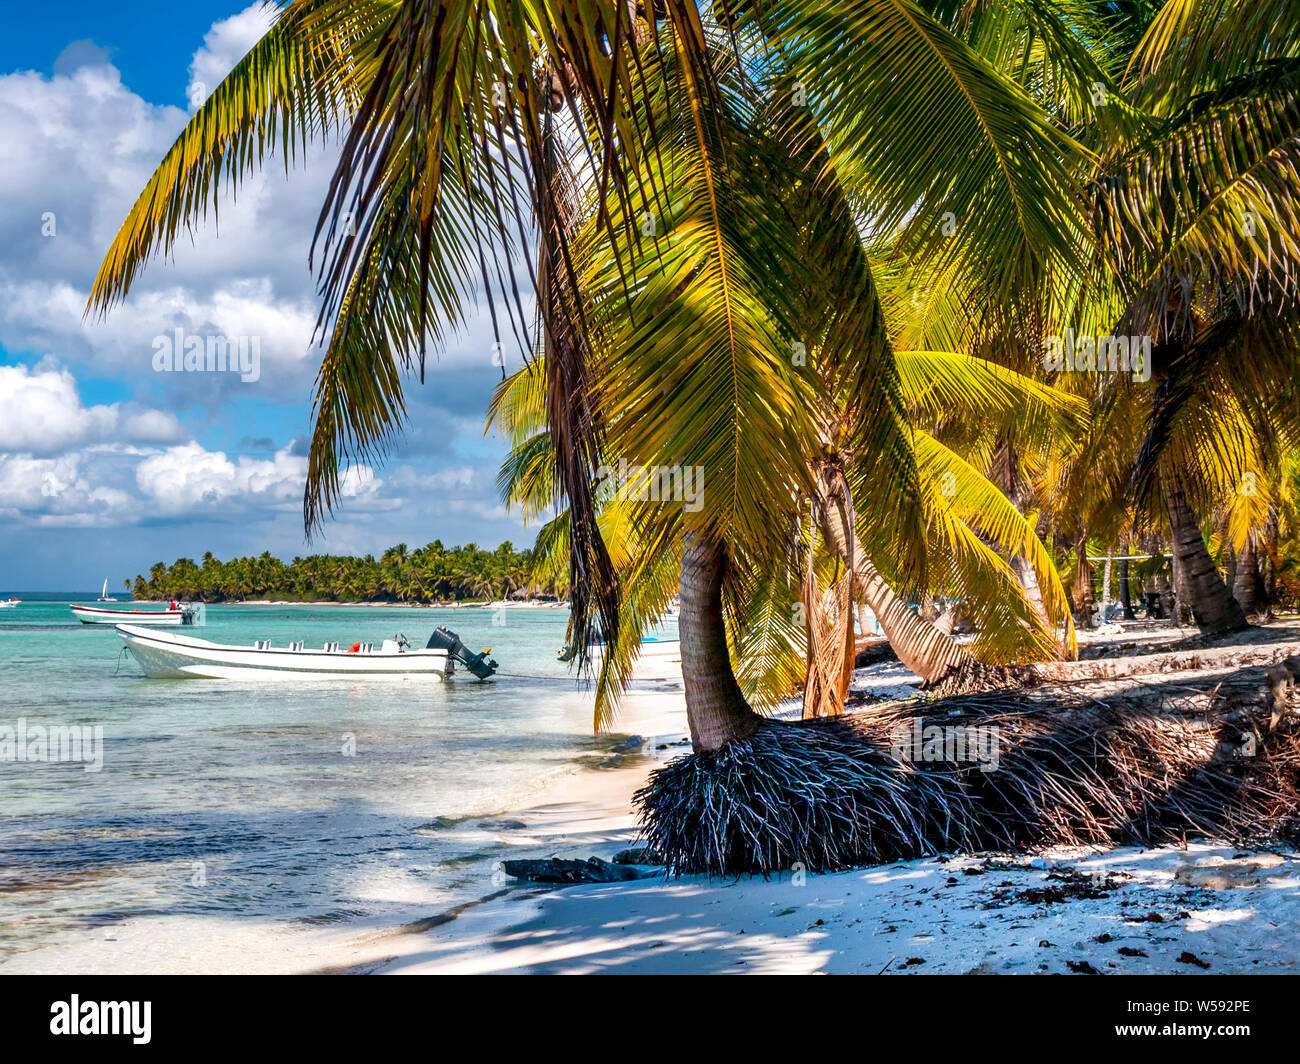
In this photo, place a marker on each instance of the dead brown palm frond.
(824, 795)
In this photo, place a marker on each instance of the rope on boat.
(118, 667)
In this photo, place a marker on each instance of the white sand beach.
(1199, 908)
(987, 915)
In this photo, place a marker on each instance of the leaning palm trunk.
(716, 710)
(1197, 581)
(924, 648)
(1006, 462)
(929, 652)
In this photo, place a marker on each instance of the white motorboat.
(166, 654)
(131, 615)
(8, 604)
(657, 661)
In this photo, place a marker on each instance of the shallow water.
(285, 805)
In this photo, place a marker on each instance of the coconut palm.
(460, 119)
(973, 530)
(1199, 224)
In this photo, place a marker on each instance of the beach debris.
(1187, 957)
(1164, 763)
(1082, 968)
(559, 870)
(1132, 951)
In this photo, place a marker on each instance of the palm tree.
(1197, 217)
(642, 202)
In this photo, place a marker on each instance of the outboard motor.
(479, 664)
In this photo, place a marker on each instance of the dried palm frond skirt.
(991, 771)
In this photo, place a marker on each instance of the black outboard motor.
(479, 664)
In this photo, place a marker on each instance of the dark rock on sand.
(557, 870)
(638, 855)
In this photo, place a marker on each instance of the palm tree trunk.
(1198, 583)
(1006, 464)
(923, 647)
(1125, 592)
(716, 710)
(929, 652)
(1084, 597)
(1247, 587)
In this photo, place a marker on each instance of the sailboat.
(104, 596)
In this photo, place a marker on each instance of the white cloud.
(56, 491)
(224, 45)
(41, 413)
(188, 478)
(87, 146)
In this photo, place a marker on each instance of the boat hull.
(179, 657)
(95, 615)
(658, 661)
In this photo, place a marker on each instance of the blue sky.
(107, 464)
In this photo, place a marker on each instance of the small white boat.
(104, 596)
(659, 660)
(166, 654)
(101, 615)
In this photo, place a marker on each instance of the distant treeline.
(432, 573)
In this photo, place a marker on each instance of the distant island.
(429, 574)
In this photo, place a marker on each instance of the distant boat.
(131, 615)
(104, 596)
(162, 654)
(658, 659)
(8, 604)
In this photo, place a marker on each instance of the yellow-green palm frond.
(986, 180)
(1209, 201)
(940, 384)
(1194, 45)
(298, 83)
(526, 481)
(766, 633)
(649, 567)
(359, 405)
(698, 374)
(518, 404)
(982, 528)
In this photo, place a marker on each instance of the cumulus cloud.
(188, 478)
(41, 413)
(57, 491)
(224, 45)
(89, 145)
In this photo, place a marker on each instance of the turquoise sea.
(285, 804)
